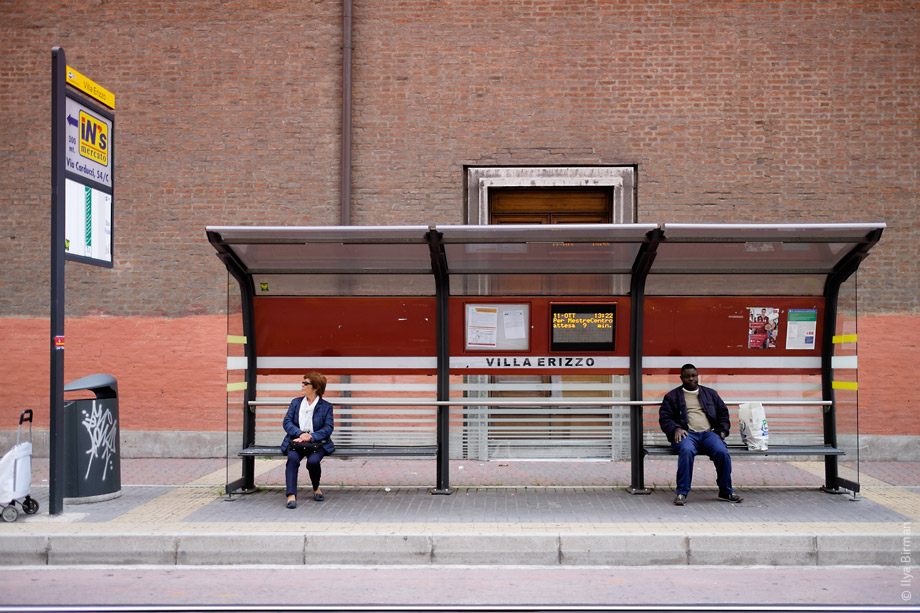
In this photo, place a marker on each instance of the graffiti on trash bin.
(103, 432)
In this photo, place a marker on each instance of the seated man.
(696, 420)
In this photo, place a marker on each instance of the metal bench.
(358, 429)
(795, 425)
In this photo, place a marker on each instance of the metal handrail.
(492, 400)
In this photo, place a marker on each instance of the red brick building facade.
(229, 113)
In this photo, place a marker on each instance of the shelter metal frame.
(829, 253)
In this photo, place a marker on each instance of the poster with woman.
(763, 327)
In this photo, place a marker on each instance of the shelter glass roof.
(595, 259)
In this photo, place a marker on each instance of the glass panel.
(540, 257)
(356, 424)
(749, 257)
(521, 233)
(344, 285)
(236, 369)
(314, 234)
(845, 371)
(844, 232)
(539, 285)
(734, 285)
(496, 431)
(335, 257)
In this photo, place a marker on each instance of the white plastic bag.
(753, 421)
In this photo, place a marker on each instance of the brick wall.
(228, 113)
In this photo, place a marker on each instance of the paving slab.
(381, 512)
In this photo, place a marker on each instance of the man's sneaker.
(730, 498)
(680, 499)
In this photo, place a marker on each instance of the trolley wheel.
(30, 506)
(10, 513)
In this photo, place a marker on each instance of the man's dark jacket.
(673, 412)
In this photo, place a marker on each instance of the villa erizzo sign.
(537, 362)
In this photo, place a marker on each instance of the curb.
(540, 549)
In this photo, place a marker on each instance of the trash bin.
(92, 466)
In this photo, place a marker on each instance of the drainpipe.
(346, 113)
(346, 134)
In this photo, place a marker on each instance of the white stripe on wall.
(731, 361)
(536, 362)
(844, 361)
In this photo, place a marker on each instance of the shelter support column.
(442, 296)
(640, 270)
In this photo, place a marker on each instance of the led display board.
(582, 327)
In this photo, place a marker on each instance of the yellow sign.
(94, 139)
(86, 86)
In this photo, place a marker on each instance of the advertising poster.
(801, 326)
(763, 327)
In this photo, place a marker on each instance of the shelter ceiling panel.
(335, 257)
(344, 285)
(743, 284)
(551, 257)
(572, 284)
(749, 257)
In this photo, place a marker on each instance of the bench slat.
(772, 450)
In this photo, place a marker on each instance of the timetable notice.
(583, 327)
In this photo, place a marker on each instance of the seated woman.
(308, 419)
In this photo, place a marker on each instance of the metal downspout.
(346, 113)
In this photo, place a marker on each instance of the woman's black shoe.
(292, 504)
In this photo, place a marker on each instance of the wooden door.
(550, 205)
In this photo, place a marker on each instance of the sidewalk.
(172, 511)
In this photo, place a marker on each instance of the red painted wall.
(718, 326)
(172, 372)
(353, 326)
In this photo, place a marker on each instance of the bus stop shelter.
(624, 300)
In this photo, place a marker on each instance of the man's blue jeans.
(707, 443)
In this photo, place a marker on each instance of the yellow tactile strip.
(896, 498)
(181, 502)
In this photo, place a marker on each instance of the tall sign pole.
(58, 131)
(82, 193)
